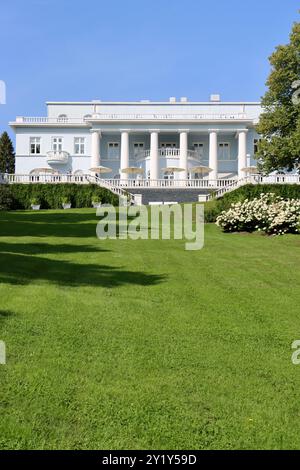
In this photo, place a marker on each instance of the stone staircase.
(179, 195)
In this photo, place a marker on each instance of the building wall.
(26, 162)
(139, 132)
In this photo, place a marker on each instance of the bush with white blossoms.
(269, 213)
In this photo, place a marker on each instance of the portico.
(221, 151)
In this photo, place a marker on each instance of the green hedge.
(249, 191)
(252, 191)
(18, 196)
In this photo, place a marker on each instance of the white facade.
(139, 140)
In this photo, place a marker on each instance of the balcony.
(169, 153)
(56, 158)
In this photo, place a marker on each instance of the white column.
(213, 155)
(183, 163)
(95, 150)
(154, 162)
(242, 152)
(124, 153)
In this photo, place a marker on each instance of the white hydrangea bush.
(269, 213)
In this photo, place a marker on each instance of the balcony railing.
(60, 157)
(131, 117)
(169, 183)
(168, 152)
(170, 117)
(159, 183)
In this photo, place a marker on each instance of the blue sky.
(136, 49)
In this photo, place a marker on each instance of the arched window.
(62, 118)
(87, 116)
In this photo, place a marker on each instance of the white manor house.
(131, 145)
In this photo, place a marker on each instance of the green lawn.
(141, 344)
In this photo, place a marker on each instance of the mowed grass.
(123, 344)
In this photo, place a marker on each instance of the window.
(62, 118)
(137, 148)
(113, 149)
(35, 145)
(224, 151)
(57, 144)
(169, 176)
(79, 145)
(87, 116)
(199, 148)
(168, 145)
(255, 145)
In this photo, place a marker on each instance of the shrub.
(269, 213)
(211, 211)
(50, 195)
(6, 200)
(66, 200)
(34, 201)
(253, 191)
(96, 199)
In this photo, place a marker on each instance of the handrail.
(114, 189)
(255, 179)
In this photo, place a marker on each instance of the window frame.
(116, 146)
(229, 159)
(57, 143)
(81, 145)
(255, 145)
(200, 145)
(140, 148)
(168, 145)
(35, 144)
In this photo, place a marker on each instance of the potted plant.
(35, 204)
(66, 202)
(96, 201)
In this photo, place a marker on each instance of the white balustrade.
(57, 157)
(133, 117)
(119, 186)
(169, 152)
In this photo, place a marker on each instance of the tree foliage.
(279, 125)
(7, 154)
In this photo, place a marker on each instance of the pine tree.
(7, 154)
(279, 124)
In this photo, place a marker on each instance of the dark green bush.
(252, 191)
(51, 195)
(6, 199)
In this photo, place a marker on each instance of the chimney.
(183, 99)
(172, 99)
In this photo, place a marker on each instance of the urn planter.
(67, 205)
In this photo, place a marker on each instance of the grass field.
(141, 344)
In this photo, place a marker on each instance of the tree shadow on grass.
(52, 224)
(22, 269)
(46, 248)
(4, 314)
